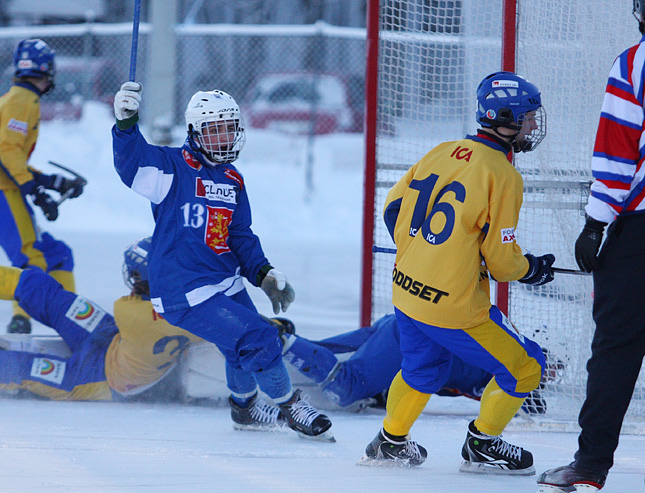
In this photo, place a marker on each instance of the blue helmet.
(135, 266)
(503, 100)
(34, 58)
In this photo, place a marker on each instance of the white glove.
(278, 289)
(127, 100)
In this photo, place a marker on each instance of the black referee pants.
(619, 342)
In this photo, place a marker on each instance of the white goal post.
(424, 61)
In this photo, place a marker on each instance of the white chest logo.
(508, 235)
(215, 191)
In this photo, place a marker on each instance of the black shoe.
(305, 419)
(566, 478)
(258, 415)
(391, 450)
(19, 324)
(490, 454)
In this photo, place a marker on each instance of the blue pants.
(250, 344)
(85, 327)
(370, 369)
(23, 243)
(495, 346)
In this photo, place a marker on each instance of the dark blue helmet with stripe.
(135, 266)
(503, 100)
(34, 58)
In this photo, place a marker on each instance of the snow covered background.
(314, 238)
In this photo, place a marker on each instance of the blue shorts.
(494, 346)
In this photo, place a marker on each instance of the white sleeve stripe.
(608, 165)
(152, 183)
(639, 60)
(628, 111)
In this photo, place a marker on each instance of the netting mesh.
(431, 60)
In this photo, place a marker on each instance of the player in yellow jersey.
(453, 217)
(21, 239)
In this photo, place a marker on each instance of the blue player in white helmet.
(203, 246)
(22, 240)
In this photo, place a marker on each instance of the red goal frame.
(509, 29)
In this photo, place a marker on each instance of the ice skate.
(305, 419)
(388, 451)
(566, 479)
(258, 415)
(486, 454)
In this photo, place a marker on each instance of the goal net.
(431, 56)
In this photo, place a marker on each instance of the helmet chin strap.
(507, 138)
(195, 145)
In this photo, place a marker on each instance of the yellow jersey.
(19, 121)
(453, 212)
(145, 348)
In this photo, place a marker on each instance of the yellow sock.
(66, 278)
(404, 405)
(496, 410)
(9, 277)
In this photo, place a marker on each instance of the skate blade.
(577, 488)
(483, 468)
(326, 436)
(366, 461)
(240, 427)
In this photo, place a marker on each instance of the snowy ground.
(315, 239)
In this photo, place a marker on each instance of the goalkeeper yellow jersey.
(19, 121)
(453, 217)
(145, 348)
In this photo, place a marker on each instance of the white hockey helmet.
(215, 127)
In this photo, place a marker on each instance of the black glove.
(64, 185)
(539, 269)
(60, 184)
(46, 203)
(588, 244)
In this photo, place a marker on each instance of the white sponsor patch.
(48, 369)
(17, 126)
(23, 64)
(216, 191)
(85, 313)
(505, 83)
(508, 235)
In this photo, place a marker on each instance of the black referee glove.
(588, 244)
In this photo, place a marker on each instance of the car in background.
(78, 79)
(302, 102)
